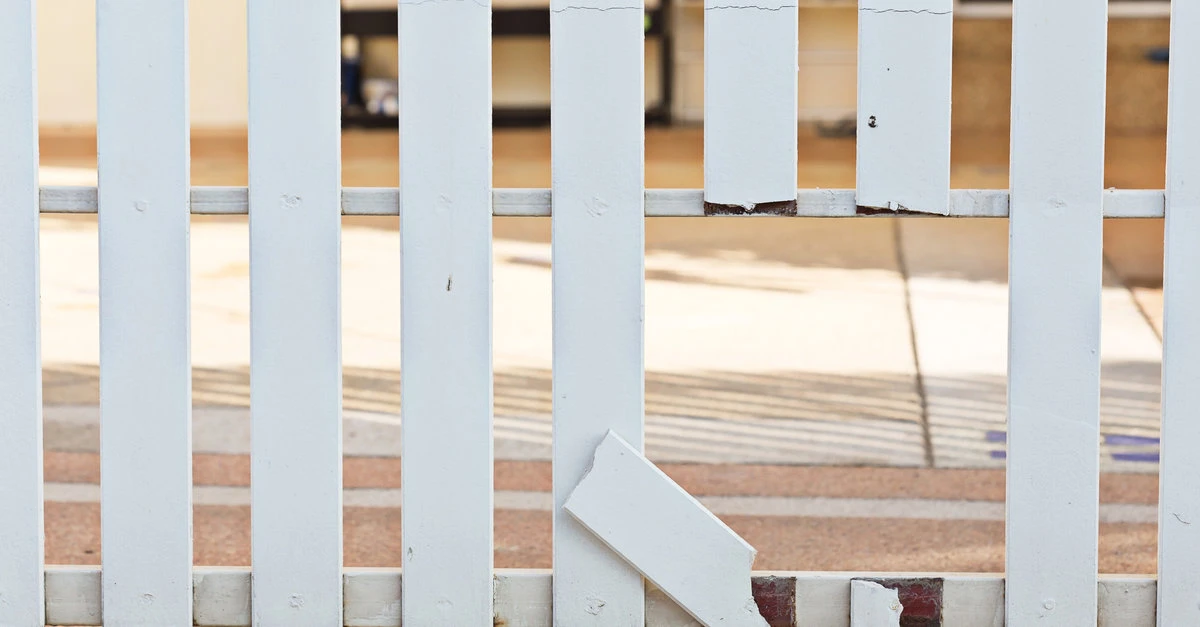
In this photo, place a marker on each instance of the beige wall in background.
(67, 62)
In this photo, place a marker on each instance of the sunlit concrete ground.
(771, 344)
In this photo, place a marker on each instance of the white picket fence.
(1055, 206)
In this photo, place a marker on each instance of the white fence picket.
(145, 370)
(21, 590)
(446, 311)
(295, 320)
(1179, 502)
(904, 58)
(750, 100)
(1058, 92)
(596, 148)
(872, 605)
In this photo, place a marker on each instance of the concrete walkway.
(816, 381)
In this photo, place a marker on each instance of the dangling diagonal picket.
(1179, 475)
(446, 311)
(596, 150)
(145, 349)
(295, 320)
(1057, 176)
(21, 590)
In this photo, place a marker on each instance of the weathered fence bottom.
(371, 598)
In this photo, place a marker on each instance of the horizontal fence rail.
(660, 203)
(605, 573)
(221, 598)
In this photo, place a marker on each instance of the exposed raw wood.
(667, 535)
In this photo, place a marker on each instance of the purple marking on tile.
(1117, 439)
(998, 454)
(996, 436)
(1135, 457)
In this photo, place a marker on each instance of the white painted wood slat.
(667, 535)
(904, 57)
(21, 541)
(372, 596)
(1179, 501)
(295, 319)
(1058, 92)
(750, 82)
(598, 241)
(446, 311)
(145, 369)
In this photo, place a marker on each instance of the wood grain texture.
(1179, 483)
(21, 529)
(1059, 55)
(598, 240)
(446, 311)
(295, 316)
(145, 358)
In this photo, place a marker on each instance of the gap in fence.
(772, 345)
